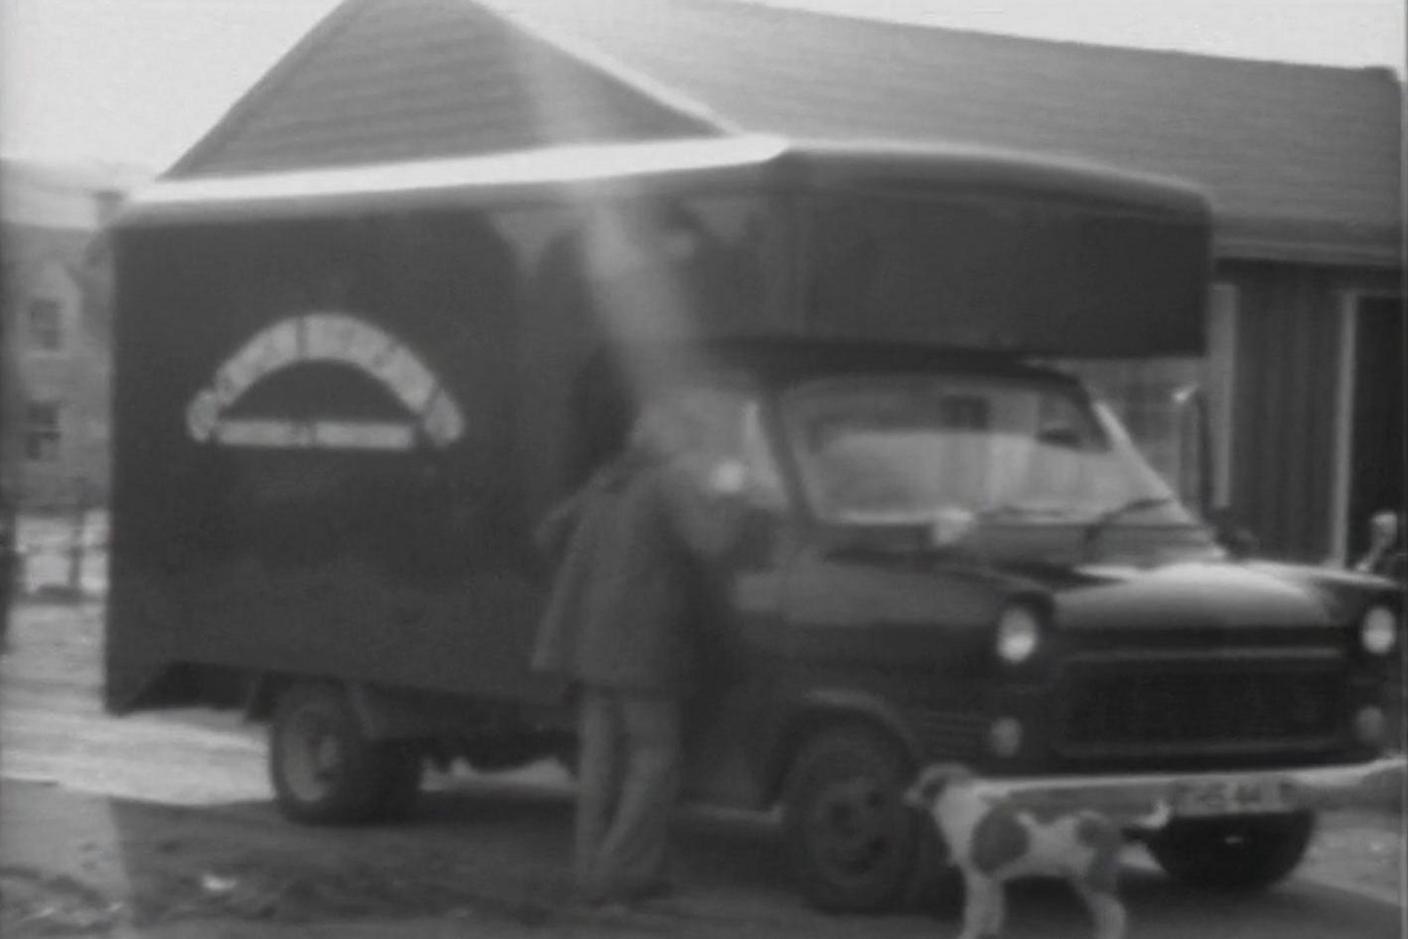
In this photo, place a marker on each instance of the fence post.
(76, 549)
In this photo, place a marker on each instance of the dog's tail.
(1156, 819)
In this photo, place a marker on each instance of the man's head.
(698, 427)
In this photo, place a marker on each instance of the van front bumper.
(1132, 798)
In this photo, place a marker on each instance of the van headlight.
(1018, 635)
(1378, 631)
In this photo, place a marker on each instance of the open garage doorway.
(1374, 393)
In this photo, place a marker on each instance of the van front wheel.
(325, 771)
(1241, 853)
(849, 837)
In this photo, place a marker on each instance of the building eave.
(1312, 242)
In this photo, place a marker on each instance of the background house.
(1305, 367)
(54, 386)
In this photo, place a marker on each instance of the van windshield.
(913, 448)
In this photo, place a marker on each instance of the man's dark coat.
(627, 595)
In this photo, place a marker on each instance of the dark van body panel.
(373, 565)
(414, 565)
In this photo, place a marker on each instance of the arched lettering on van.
(432, 414)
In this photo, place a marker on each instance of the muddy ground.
(161, 826)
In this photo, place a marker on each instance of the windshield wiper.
(1096, 526)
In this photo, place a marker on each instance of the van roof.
(583, 173)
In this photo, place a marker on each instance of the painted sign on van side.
(432, 415)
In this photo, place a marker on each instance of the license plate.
(1231, 796)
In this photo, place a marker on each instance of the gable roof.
(1302, 162)
(381, 81)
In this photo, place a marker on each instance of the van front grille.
(1128, 708)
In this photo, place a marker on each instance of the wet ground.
(161, 826)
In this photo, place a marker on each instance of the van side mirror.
(1195, 434)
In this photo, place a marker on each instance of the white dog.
(992, 842)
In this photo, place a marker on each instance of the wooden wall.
(1286, 404)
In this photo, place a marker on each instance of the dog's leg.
(997, 908)
(980, 892)
(1106, 909)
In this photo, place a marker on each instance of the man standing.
(622, 626)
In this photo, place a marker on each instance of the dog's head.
(932, 782)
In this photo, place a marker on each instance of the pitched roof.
(390, 80)
(1286, 151)
(1301, 161)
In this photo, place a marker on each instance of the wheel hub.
(853, 825)
(314, 757)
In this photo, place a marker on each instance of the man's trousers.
(629, 779)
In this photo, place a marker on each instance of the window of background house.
(42, 432)
(46, 324)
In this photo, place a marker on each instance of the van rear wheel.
(325, 771)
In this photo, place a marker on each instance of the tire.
(1242, 854)
(405, 767)
(935, 885)
(851, 841)
(326, 772)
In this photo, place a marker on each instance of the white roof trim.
(564, 166)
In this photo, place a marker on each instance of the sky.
(137, 82)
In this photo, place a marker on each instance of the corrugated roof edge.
(1308, 243)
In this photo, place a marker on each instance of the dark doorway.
(1376, 466)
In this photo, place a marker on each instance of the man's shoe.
(662, 899)
(655, 890)
(609, 910)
